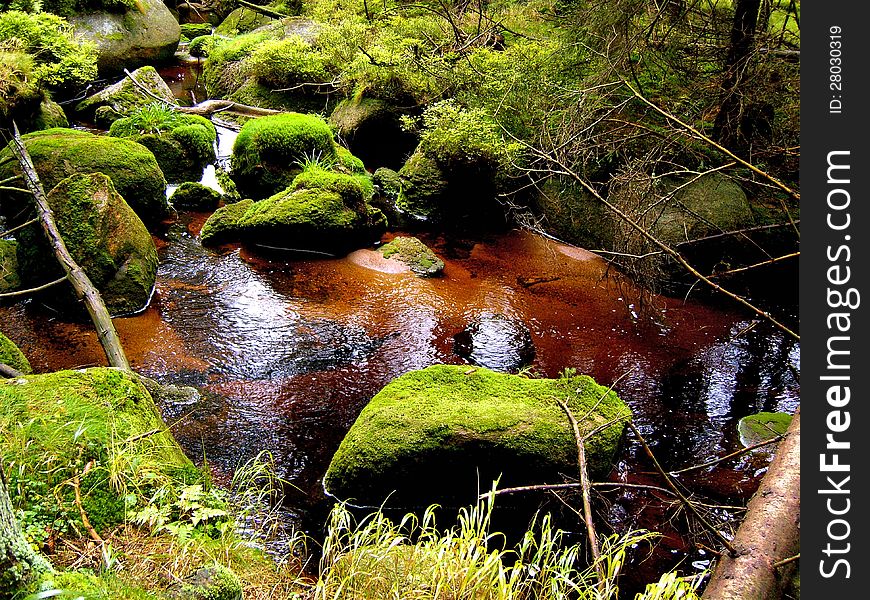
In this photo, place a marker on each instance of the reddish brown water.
(288, 350)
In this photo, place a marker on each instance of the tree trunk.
(728, 128)
(20, 564)
(84, 289)
(769, 534)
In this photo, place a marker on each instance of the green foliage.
(195, 30)
(58, 58)
(67, 8)
(349, 187)
(461, 138)
(151, 118)
(286, 63)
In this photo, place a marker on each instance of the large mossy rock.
(269, 151)
(146, 34)
(9, 278)
(59, 153)
(183, 146)
(124, 97)
(12, 356)
(56, 424)
(195, 196)
(372, 130)
(103, 235)
(241, 20)
(322, 211)
(442, 433)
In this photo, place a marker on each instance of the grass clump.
(416, 560)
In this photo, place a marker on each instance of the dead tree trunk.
(770, 533)
(84, 289)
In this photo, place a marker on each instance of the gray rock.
(122, 98)
(132, 38)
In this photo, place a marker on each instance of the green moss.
(211, 582)
(351, 113)
(11, 356)
(9, 279)
(287, 62)
(350, 162)
(124, 97)
(195, 196)
(50, 115)
(315, 212)
(349, 187)
(201, 46)
(223, 225)
(59, 153)
(103, 235)
(388, 183)
(760, 427)
(182, 144)
(268, 151)
(194, 30)
(423, 187)
(450, 428)
(222, 71)
(58, 423)
(241, 20)
(415, 254)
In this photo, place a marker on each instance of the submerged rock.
(763, 426)
(440, 434)
(195, 196)
(58, 153)
(496, 342)
(103, 235)
(12, 356)
(124, 97)
(414, 253)
(145, 34)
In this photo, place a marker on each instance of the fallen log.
(81, 283)
(769, 536)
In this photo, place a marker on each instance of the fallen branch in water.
(32, 290)
(734, 454)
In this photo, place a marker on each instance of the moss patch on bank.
(12, 356)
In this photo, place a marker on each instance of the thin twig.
(785, 561)
(584, 486)
(734, 454)
(17, 227)
(686, 502)
(760, 264)
(32, 290)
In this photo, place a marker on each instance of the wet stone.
(496, 342)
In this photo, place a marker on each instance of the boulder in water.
(440, 434)
(58, 153)
(146, 34)
(415, 254)
(103, 235)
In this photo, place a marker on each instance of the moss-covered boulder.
(144, 34)
(269, 151)
(321, 210)
(201, 46)
(103, 235)
(423, 188)
(182, 144)
(194, 30)
(223, 225)
(9, 279)
(124, 97)
(12, 356)
(415, 254)
(241, 20)
(195, 196)
(98, 427)
(49, 114)
(372, 130)
(441, 433)
(59, 153)
(211, 582)
(709, 205)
